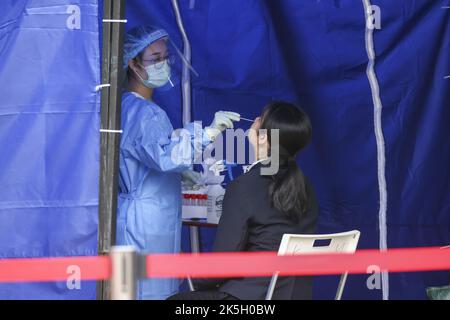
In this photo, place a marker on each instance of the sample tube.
(195, 199)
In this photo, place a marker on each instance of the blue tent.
(380, 155)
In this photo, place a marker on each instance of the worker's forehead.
(156, 48)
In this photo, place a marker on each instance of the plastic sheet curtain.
(247, 53)
(314, 53)
(49, 135)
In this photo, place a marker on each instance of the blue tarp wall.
(49, 133)
(247, 53)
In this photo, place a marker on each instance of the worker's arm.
(175, 153)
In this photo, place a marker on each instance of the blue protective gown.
(149, 206)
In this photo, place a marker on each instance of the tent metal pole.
(124, 268)
(186, 73)
(113, 34)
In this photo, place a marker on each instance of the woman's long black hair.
(287, 190)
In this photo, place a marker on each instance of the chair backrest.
(292, 244)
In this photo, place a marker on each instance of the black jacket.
(249, 223)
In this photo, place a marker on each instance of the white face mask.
(158, 75)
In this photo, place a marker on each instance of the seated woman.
(258, 209)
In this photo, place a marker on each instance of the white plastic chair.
(292, 244)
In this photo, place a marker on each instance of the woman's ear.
(262, 137)
(136, 69)
(132, 65)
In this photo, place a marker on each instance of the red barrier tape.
(225, 265)
(54, 269)
(210, 265)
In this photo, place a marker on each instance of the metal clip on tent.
(115, 20)
(97, 88)
(101, 86)
(111, 131)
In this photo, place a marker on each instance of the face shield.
(164, 66)
(161, 62)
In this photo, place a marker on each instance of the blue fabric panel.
(49, 132)
(313, 53)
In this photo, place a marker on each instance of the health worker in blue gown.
(152, 160)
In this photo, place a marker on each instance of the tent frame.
(112, 74)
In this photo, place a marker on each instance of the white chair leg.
(272, 284)
(341, 286)
(195, 248)
(191, 285)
